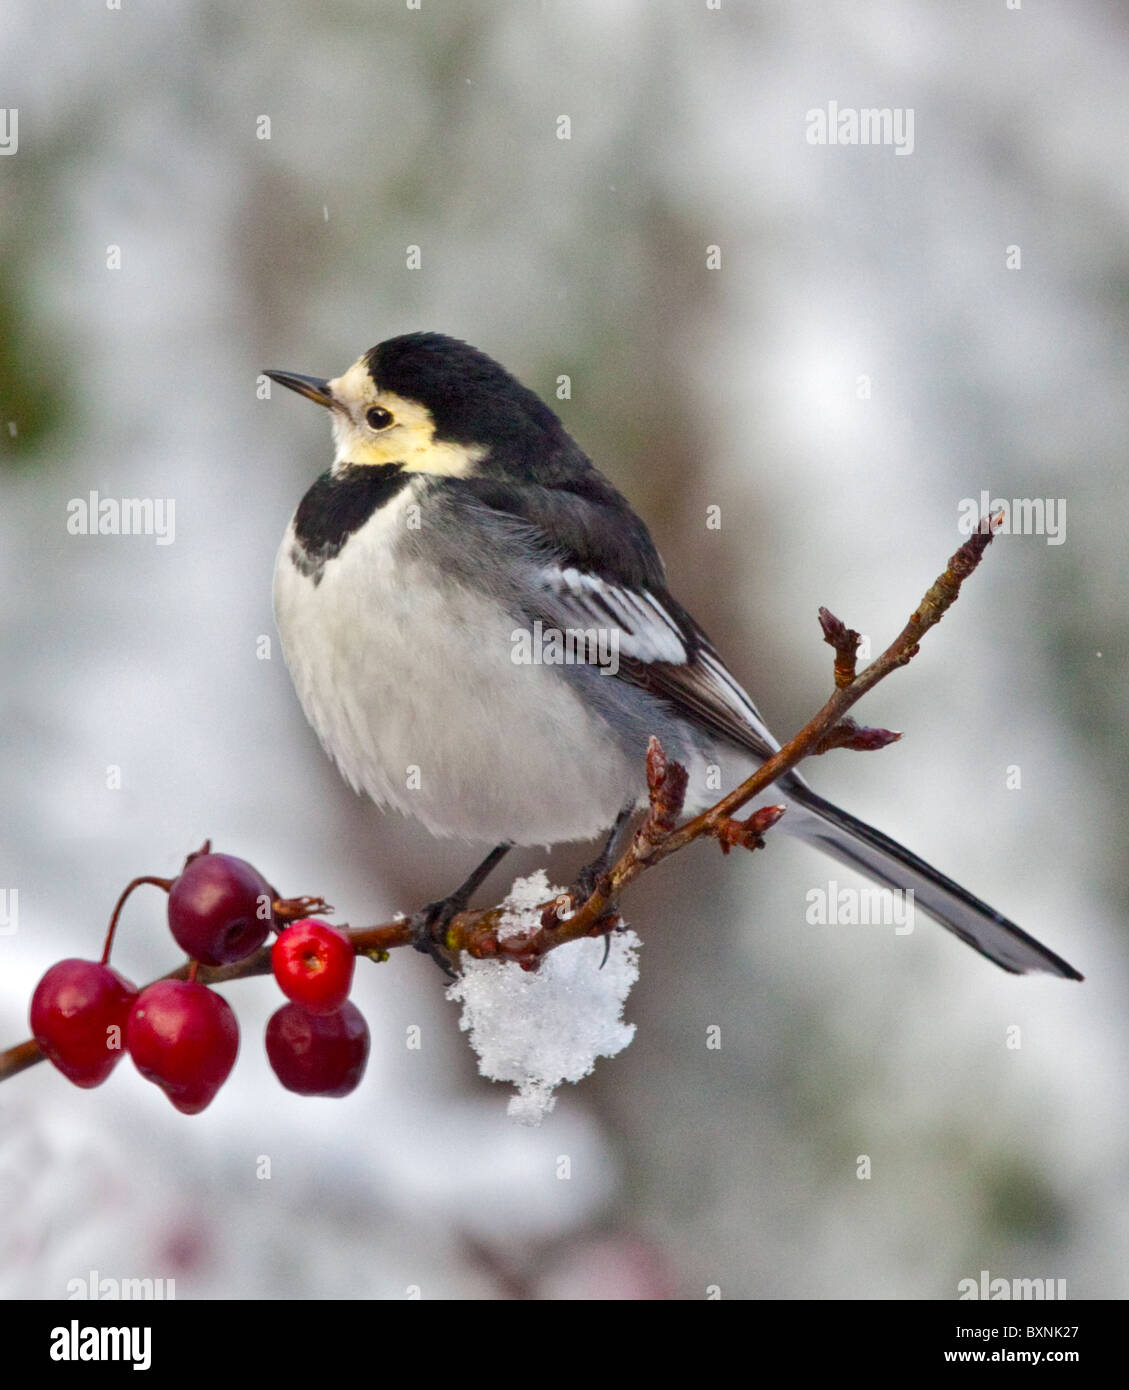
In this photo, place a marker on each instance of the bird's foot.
(588, 879)
(429, 925)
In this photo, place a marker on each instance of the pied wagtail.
(459, 529)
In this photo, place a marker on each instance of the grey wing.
(661, 650)
(574, 562)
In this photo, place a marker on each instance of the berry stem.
(165, 883)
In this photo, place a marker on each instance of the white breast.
(411, 686)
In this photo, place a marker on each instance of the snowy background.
(675, 1167)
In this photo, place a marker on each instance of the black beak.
(312, 387)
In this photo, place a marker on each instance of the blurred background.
(833, 345)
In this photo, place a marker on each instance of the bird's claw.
(586, 883)
(428, 926)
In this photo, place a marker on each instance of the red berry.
(313, 964)
(220, 909)
(78, 1017)
(318, 1054)
(183, 1037)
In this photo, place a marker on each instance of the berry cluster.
(318, 1043)
(182, 1035)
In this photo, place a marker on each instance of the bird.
(479, 629)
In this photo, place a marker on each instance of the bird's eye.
(377, 418)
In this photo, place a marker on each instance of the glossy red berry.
(318, 1054)
(183, 1037)
(78, 1017)
(220, 909)
(313, 964)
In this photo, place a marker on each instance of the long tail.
(855, 843)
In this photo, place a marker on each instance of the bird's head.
(427, 403)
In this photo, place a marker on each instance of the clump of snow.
(525, 895)
(538, 1029)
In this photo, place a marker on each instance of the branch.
(478, 931)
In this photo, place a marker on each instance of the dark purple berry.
(318, 1054)
(220, 909)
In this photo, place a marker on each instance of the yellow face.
(380, 428)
